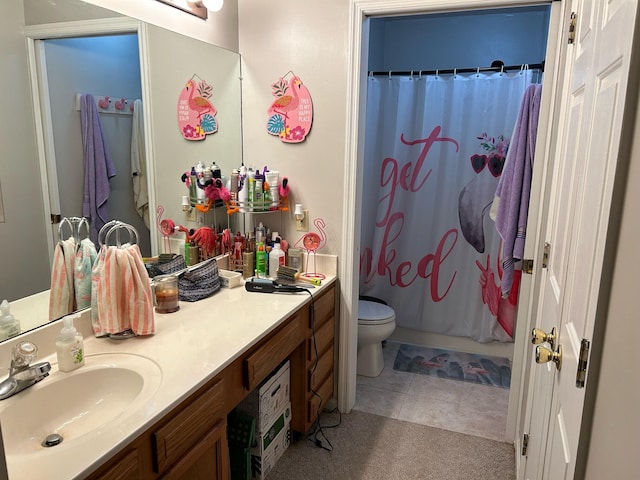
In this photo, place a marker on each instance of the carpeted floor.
(371, 447)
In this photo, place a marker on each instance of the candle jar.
(165, 293)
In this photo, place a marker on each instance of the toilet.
(376, 323)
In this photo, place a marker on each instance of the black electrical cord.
(318, 429)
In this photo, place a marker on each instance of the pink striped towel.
(61, 296)
(123, 293)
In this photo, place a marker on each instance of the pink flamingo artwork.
(196, 113)
(312, 242)
(104, 103)
(199, 104)
(287, 103)
(120, 104)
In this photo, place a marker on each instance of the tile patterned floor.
(463, 407)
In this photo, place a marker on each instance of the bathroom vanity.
(211, 354)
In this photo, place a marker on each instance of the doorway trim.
(359, 12)
(35, 34)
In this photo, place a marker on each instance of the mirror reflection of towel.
(138, 165)
(61, 296)
(85, 258)
(98, 167)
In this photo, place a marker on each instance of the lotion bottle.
(276, 258)
(69, 346)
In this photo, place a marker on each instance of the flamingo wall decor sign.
(196, 113)
(291, 113)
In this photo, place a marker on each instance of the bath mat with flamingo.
(450, 364)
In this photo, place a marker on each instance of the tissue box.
(267, 402)
(271, 444)
(229, 279)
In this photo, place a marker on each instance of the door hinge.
(527, 263)
(583, 358)
(525, 443)
(572, 28)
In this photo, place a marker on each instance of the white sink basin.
(76, 405)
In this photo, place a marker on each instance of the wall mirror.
(164, 61)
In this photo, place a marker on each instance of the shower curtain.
(434, 151)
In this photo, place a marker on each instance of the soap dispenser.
(69, 346)
(9, 325)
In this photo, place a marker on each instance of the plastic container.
(261, 261)
(229, 279)
(276, 258)
(69, 346)
(9, 325)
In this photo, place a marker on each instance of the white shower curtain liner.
(434, 149)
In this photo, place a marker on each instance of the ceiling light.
(213, 5)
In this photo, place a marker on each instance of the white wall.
(22, 235)
(310, 39)
(220, 28)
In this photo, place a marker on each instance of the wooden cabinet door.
(207, 460)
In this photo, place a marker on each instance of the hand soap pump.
(9, 325)
(70, 346)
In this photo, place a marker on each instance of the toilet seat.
(374, 313)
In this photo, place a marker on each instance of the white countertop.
(190, 346)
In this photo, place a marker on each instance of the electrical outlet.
(303, 225)
(191, 215)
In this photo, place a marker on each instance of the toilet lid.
(374, 312)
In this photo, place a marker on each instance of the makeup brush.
(290, 275)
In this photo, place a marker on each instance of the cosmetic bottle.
(200, 181)
(251, 181)
(243, 190)
(261, 261)
(193, 186)
(70, 346)
(272, 178)
(233, 190)
(276, 258)
(258, 199)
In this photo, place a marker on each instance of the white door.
(580, 199)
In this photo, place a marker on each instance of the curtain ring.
(436, 72)
(455, 72)
(478, 72)
(501, 69)
(389, 74)
(411, 76)
(420, 75)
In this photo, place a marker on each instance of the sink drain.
(52, 440)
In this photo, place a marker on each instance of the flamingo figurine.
(104, 103)
(287, 103)
(199, 104)
(120, 104)
(312, 242)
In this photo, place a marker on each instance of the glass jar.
(165, 293)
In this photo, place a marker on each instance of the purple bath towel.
(98, 167)
(514, 186)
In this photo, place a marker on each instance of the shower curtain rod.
(504, 68)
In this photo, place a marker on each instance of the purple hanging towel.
(98, 167)
(514, 187)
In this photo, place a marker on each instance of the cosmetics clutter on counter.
(254, 253)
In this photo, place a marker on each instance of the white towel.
(124, 298)
(138, 163)
(61, 296)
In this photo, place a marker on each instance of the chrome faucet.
(22, 374)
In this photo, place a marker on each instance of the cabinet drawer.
(179, 434)
(124, 467)
(266, 358)
(324, 337)
(324, 307)
(316, 403)
(324, 367)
